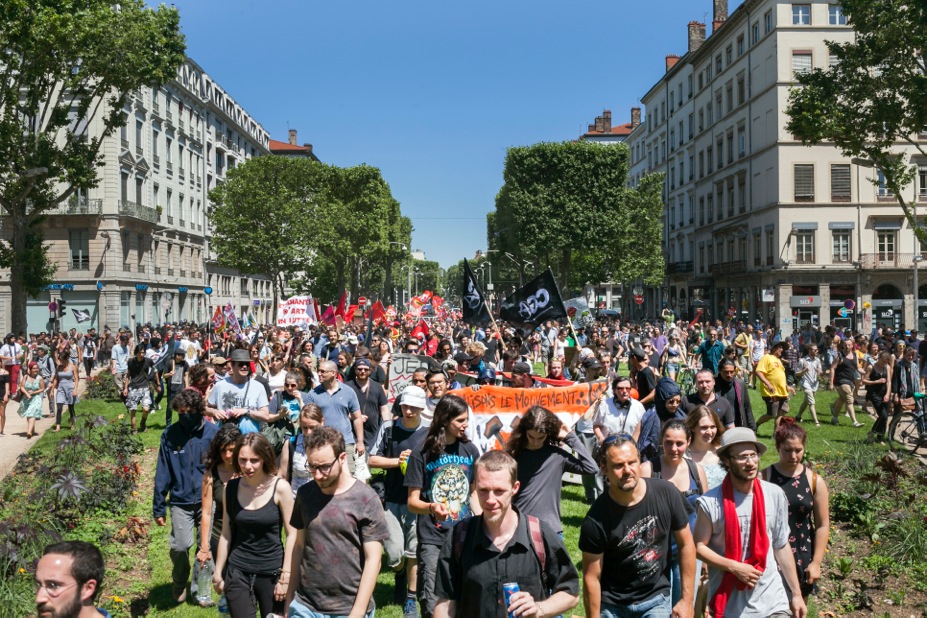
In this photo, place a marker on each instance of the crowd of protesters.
(278, 432)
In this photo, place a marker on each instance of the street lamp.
(917, 259)
(417, 273)
(518, 262)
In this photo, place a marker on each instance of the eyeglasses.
(52, 589)
(622, 388)
(325, 469)
(291, 385)
(745, 458)
(240, 364)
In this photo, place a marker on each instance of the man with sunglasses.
(341, 409)
(68, 579)
(240, 395)
(372, 399)
(337, 517)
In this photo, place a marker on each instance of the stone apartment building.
(136, 248)
(756, 224)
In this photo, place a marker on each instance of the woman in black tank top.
(249, 561)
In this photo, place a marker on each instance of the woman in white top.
(293, 458)
(618, 414)
(276, 374)
(706, 428)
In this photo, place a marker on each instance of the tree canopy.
(567, 205)
(66, 65)
(870, 103)
(321, 228)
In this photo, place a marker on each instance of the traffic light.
(62, 307)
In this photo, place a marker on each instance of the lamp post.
(417, 273)
(917, 259)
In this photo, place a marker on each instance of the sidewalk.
(14, 443)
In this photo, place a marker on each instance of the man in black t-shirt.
(625, 540)
(705, 395)
(374, 403)
(644, 376)
(390, 451)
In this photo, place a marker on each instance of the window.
(701, 164)
(770, 247)
(840, 183)
(804, 247)
(886, 242)
(768, 22)
(711, 164)
(729, 94)
(833, 60)
(720, 145)
(755, 33)
(757, 249)
(709, 111)
(804, 183)
(79, 244)
(884, 190)
(701, 259)
(688, 87)
(801, 62)
(742, 193)
(922, 182)
(730, 147)
(741, 90)
(740, 46)
(701, 120)
(801, 14)
(710, 205)
(708, 73)
(841, 242)
(835, 15)
(719, 66)
(741, 141)
(701, 211)
(729, 55)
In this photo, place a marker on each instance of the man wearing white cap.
(742, 533)
(391, 449)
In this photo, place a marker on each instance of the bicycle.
(908, 430)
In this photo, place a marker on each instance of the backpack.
(657, 464)
(534, 531)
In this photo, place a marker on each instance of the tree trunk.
(565, 271)
(17, 290)
(388, 282)
(340, 275)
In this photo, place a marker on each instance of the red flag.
(698, 314)
(436, 301)
(349, 314)
(379, 311)
(318, 312)
(328, 316)
(342, 304)
(420, 329)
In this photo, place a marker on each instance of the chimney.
(308, 147)
(671, 61)
(599, 124)
(720, 15)
(696, 35)
(607, 121)
(635, 117)
(292, 137)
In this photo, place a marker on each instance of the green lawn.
(146, 569)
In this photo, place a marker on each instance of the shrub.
(101, 386)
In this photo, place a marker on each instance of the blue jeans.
(654, 607)
(298, 610)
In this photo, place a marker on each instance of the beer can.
(508, 589)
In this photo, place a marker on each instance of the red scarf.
(758, 542)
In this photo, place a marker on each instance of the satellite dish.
(166, 299)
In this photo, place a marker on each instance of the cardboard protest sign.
(497, 409)
(401, 369)
(296, 311)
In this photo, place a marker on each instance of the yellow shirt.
(771, 367)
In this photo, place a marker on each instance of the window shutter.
(840, 183)
(804, 183)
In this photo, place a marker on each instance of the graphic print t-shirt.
(635, 542)
(444, 479)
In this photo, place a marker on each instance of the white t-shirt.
(191, 350)
(226, 395)
(613, 420)
(13, 350)
(768, 596)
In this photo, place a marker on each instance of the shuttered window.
(840, 183)
(801, 62)
(804, 183)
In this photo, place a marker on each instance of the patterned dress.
(801, 527)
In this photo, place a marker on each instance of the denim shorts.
(298, 610)
(659, 606)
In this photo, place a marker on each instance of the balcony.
(679, 268)
(80, 263)
(137, 211)
(77, 206)
(734, 267)
(890, 260)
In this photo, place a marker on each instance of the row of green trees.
(318, 228)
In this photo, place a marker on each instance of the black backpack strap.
(537, 542)
(693, 472)
(291, 445)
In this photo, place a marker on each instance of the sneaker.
(410, 609)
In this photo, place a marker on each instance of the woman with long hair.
(249, 558)
(438, 477)
(878, 383)
(688, 477)
(65, 385)
(32, 389)
(706, 428)
(809, 502)
(536, 444)
(220, 469)
(293, 456)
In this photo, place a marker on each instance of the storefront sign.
(69, 287)
(182, 290)
(141, 287)
(769, 295)
(805, 301)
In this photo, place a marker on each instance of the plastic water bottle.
(204, 584)
(223, 606)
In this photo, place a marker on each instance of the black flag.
(539, 300)
(81, 316)
(474, 303)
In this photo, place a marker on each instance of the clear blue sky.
(433, 92)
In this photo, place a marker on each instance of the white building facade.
(135, 249)
(756, 224)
